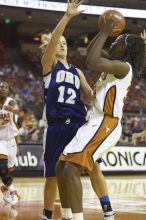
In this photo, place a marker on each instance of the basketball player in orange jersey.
(103, 129)
(8, 146)
(64, 111)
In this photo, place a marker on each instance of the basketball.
(115, 15)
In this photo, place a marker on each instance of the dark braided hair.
(134, 52)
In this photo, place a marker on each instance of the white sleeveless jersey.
(111, 93)
(8, 129)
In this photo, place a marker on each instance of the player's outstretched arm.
(88, 93)
(104, 53)
(95, 59)
(49, 53)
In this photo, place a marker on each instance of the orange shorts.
(92, 141)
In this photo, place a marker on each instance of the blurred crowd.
(27, 89)
(132, 123)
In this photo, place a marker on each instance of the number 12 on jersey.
(70, 92)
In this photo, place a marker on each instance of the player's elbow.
(93, 63)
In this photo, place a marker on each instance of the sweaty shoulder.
(120, 68)
(47, 69)
(50, 70)
(126, 80)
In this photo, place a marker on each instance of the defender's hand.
(72, 9)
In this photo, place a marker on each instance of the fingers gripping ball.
(115, 15)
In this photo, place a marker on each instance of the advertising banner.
(125, 159)
(61, 7)
(29, 159)
(119, 159)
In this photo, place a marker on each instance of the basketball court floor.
(127, 195)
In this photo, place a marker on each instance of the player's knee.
(72, 170)
(50, 181)
(96, 170)
(94, 174)
(11, 170)
(4, 173)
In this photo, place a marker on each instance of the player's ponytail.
(134, 52)
(45, 38)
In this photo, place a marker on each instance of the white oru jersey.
(111, 93)
(8, 129)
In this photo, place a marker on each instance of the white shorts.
(8, 150)
(92, 141)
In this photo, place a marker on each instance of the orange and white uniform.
(103, 129)
(8, 132)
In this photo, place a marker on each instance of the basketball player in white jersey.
(103, 129)
(8, 145)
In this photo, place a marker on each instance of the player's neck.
(2, 100)
(63, 61)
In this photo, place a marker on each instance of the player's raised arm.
(85, 87)
(95, 59)
(49, 52)
(104, 53)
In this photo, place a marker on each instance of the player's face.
(61, 48)
(117, 47)
(4, 89)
